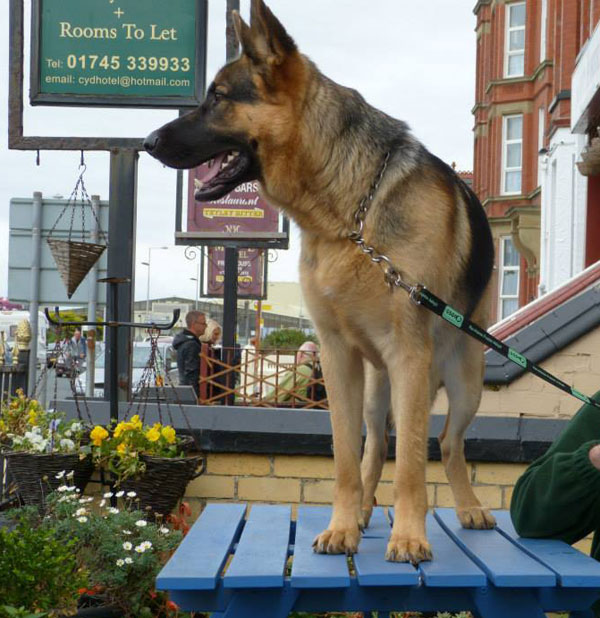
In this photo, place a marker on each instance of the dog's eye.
(218, 96)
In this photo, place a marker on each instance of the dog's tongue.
(206, 173)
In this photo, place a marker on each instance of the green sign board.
(144, 53)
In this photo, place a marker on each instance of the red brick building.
(526, 155)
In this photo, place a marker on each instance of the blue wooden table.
(261, 564)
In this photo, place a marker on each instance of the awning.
(590, 159)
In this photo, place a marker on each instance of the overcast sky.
(414, 60)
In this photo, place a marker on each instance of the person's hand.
(594, 456)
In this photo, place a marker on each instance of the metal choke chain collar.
(392, 275)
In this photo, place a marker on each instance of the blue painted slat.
(260, 557)
(503, 562)
(450, 566)
(311, 570)
(372, 569)
(573, 568)
(197, 563)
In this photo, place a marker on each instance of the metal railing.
(260, 378)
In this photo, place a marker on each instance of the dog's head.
(247, 116)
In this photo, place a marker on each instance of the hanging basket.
(164, 482)
(74, 260)
(35, 474)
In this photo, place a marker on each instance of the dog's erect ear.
(244, 35)
(270, 40)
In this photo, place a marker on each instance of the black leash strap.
(423, 296)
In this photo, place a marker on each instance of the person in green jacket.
(293, 384)
(558, 496)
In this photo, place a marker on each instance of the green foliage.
(69, 315)
(7, 611)
(286, 339)
(37, 571)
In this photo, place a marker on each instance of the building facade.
(526, 169)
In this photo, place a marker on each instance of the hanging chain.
(79, 194)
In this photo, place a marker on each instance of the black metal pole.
(121, 260)
(231, 253)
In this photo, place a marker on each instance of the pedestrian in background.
(188, 346)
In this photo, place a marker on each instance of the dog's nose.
(151, 141)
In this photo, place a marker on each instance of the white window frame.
(508, 53)
(502, 270)
(543, 29)
(505, 143)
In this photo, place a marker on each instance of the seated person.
(292, 386)
(557, 497)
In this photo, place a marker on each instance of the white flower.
(72, 488)
(102, 502)
(127, 546)
(127, 532)
(75, 426)
(71, 474)
(77, 490)
(131, 494)
(113, 510)
(120, 494)
(82, 519)
(128, 560)
(120, 562)
(140, 549)
(67, 444)
(147, 544)
(108, 494)
(141, 523)
(163, 530)
(80, 511)
(63, 488)
(60, 475)
(68, 433)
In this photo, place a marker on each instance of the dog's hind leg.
(376, 413)
(344, 376)
(463, 378)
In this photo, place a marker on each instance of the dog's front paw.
(476, 517)
(337, 542)
(408, 550)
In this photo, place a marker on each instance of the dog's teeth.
(230, 158)
(198, 183)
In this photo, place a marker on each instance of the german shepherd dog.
(316, 149)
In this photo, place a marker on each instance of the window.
(512, 154)
(514, 46)
(509, 278)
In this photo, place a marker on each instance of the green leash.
(422, 296)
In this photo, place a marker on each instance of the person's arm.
(558, 496)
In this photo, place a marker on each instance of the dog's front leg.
(409, 377)
(343, 372)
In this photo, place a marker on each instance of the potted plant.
(149, 460)
(38, 444)
(114, 555)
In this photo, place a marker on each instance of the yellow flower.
(32, 418)
(168, 434)
(153, 434)
(122, 448)
(136, 423)
(119, 429)
(98, 434)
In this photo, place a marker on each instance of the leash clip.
(415, 293)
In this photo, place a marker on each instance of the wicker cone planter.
(35, 474)
(164, 482)
(74, 260)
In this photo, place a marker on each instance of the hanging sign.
(252, 273)
(241, 218)
(118, 52)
